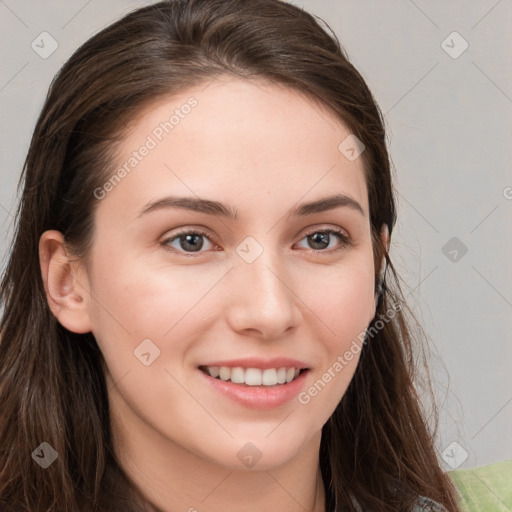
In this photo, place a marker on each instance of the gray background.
(449, 121)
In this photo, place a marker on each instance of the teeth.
(269, 377)
(253, 376)
(224, 373)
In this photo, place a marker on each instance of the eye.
(322, 238)
(188, 241)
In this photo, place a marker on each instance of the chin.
(256, 453)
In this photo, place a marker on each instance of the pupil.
(186, 239)
(317, 238)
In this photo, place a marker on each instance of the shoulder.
(423, 504)
(420, 503)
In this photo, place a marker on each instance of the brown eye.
(188, 241)
(319, 240)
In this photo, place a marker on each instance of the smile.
(253, 376)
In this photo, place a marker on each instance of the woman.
(196, 314)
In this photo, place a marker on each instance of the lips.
(256, 362)
(263, 397)
(255, 382)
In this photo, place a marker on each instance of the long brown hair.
(378, 445)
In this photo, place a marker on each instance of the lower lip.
(258, 397)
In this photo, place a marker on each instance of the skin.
(263, 149)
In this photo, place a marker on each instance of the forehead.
(238, 139)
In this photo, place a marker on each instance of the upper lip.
(264, 364)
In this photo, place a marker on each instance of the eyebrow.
(219, 209)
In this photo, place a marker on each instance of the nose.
(263, 301)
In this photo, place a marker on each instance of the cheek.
(133, 301)
(343, 309)
(344, 300)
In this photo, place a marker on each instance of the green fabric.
(486, 488)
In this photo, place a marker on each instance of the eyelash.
(345, 240)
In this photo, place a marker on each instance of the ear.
(385, 240)
(65, 283)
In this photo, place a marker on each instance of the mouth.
(251, 377)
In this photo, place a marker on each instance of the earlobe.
(65, 285)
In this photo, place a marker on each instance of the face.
(206, 259)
